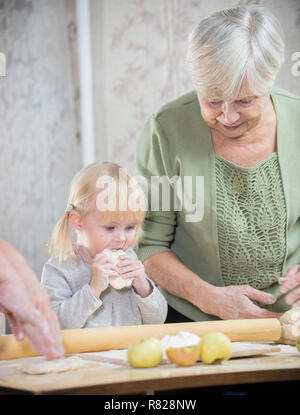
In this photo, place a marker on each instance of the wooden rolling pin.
(113, 338)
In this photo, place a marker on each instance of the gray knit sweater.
(77, 307)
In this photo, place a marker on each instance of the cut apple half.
(184, 356)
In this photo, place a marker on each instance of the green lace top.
(251, 222)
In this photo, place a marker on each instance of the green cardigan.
(177, 142)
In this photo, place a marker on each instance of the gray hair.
(233, 44)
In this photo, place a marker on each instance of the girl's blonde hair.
(83, 197)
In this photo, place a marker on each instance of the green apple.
(298, 343)
(215, 347)
(145, 353)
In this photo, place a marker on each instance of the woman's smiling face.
(235, 118)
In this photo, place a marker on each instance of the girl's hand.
(291, 282)
(129, 267)
(102, 267)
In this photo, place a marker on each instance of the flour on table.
(52, 366)
(182, 339)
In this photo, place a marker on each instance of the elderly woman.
(242, 135)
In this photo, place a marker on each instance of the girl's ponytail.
(60, 244)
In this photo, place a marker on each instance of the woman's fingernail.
(20, 336)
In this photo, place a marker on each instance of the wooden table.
(104, 378)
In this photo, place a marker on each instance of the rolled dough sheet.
(52, 366)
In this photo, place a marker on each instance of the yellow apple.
(215, 347)
(145, 353)
(298, 343)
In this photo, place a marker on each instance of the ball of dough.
(290, 326)
(118, 283)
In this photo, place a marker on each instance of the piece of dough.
(52, 366)
(117, 282)
(290, 326)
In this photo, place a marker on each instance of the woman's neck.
(253, 147)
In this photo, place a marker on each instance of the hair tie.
(69, 208)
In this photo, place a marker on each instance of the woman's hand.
(102, 267)
(130, 267)
(234, 302)
(291, 282)
(27, 305)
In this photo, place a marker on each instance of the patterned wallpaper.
(39, 148)
(139, 51)
(138, 65)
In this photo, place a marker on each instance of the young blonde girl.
(105, 209)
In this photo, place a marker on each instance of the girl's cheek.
(131, 237)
